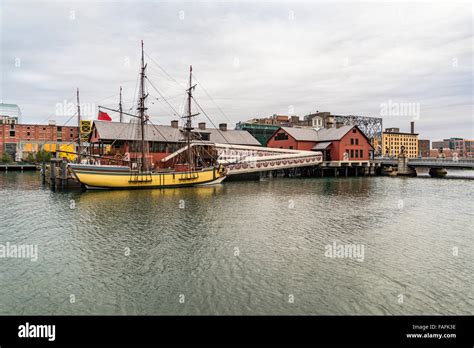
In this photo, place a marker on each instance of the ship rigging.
(140, 173)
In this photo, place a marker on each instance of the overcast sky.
(254, 59)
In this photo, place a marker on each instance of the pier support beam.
(52, 172)
(403, 168)
(63, 173)
(43, 172)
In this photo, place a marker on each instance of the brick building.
(463, 147)
(344, 143)
(393, 140)
(424, 148)
(20, 139)
(443, 153)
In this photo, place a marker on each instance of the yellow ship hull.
(119, 177)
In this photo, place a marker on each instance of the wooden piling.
(63, 173)
(52, 172)
(43, 172)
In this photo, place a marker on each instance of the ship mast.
(120, 105)
(79, 140)
(188, 127)
(142, 112)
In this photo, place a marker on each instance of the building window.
(291, 147)
(357, 141)
(28, 134)
(357, 154)
(352, 153)
(361, 154)
(12, 134)
(173, 147)
(157, 147)
(281, 136)
(353, 130)
(352, 141)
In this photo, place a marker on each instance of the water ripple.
(241, 248)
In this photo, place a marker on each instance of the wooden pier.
(17, 167)
(57, 175)
(325, 169)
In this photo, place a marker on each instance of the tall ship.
(195, 163)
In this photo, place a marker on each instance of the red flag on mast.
(103, 116)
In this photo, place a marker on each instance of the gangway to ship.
(241, 159)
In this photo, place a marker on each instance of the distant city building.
(20, 139)
(463, 147)
(443, 153)
(469, 146)
(9, 113)
(272, 120)
(340, 143)
(424, 148)
(442, 144)
(393, 140)
(319, 120)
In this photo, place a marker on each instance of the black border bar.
(225, 330)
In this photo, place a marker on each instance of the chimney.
(223, 126)
(174, 123)
(202, 125)
(412, 127)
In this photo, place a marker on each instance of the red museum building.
(334, 142)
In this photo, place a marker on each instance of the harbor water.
(253, 247)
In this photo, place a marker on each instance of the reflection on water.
(240, 248)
